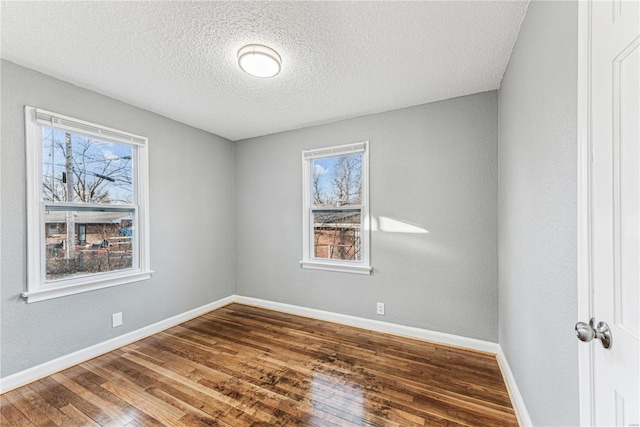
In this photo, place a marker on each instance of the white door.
(615, 209)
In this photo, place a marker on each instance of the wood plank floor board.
(230, 384)
(23, 404)
(410, 370)
(90, 409)
(457, 366)
(39, 408)
(246, 366)
(225, 396)
(12, 414)
(332, 358)
(103, 411)
(4, 420)
(79, 417)
(272, 382)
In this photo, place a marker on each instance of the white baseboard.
(374, 325)
(32, 374)
(35, 373)
(516, 398)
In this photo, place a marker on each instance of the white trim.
(60, 121)
(346, 208)
(38, 288)
(365, 236)
(308, 261)
(373, 325)
(335, 266)
(336, 150)
(34, 190)
(87, 284)
(142, 197)
(584, 213)
(514, 392)
(87, 207)
(32, 374)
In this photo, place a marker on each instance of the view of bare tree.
(344, 181)
(347, 180)
(90, 172)
(318, 193)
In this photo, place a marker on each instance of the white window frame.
(38, 288)
(363, 266)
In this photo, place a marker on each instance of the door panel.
(615, 139)
(626, 175)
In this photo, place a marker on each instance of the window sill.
(344, 268)
(89, 285)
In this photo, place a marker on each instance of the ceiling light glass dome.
(259, 60)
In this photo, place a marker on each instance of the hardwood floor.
(245, 366)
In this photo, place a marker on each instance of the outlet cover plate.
(116, 319)
(380, 308)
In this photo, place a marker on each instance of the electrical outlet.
(380, 309)
(116, 319)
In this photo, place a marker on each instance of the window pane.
(86, 241)
(336, 235)
(337, 181)
(98, 171)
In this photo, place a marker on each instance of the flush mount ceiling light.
(259, 60)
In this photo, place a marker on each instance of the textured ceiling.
(340, 59)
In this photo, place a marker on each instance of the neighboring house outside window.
(86, 184)
(336, 208)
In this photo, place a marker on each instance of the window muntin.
(335, 211)
(87, 206)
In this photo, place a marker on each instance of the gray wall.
(434, 166)
(537, 212)
(191, 226)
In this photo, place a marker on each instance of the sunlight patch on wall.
(392, 225)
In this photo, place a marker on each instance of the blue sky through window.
(337, 180)
(102, 171)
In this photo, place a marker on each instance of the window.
(336, 208)
(87, 191)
